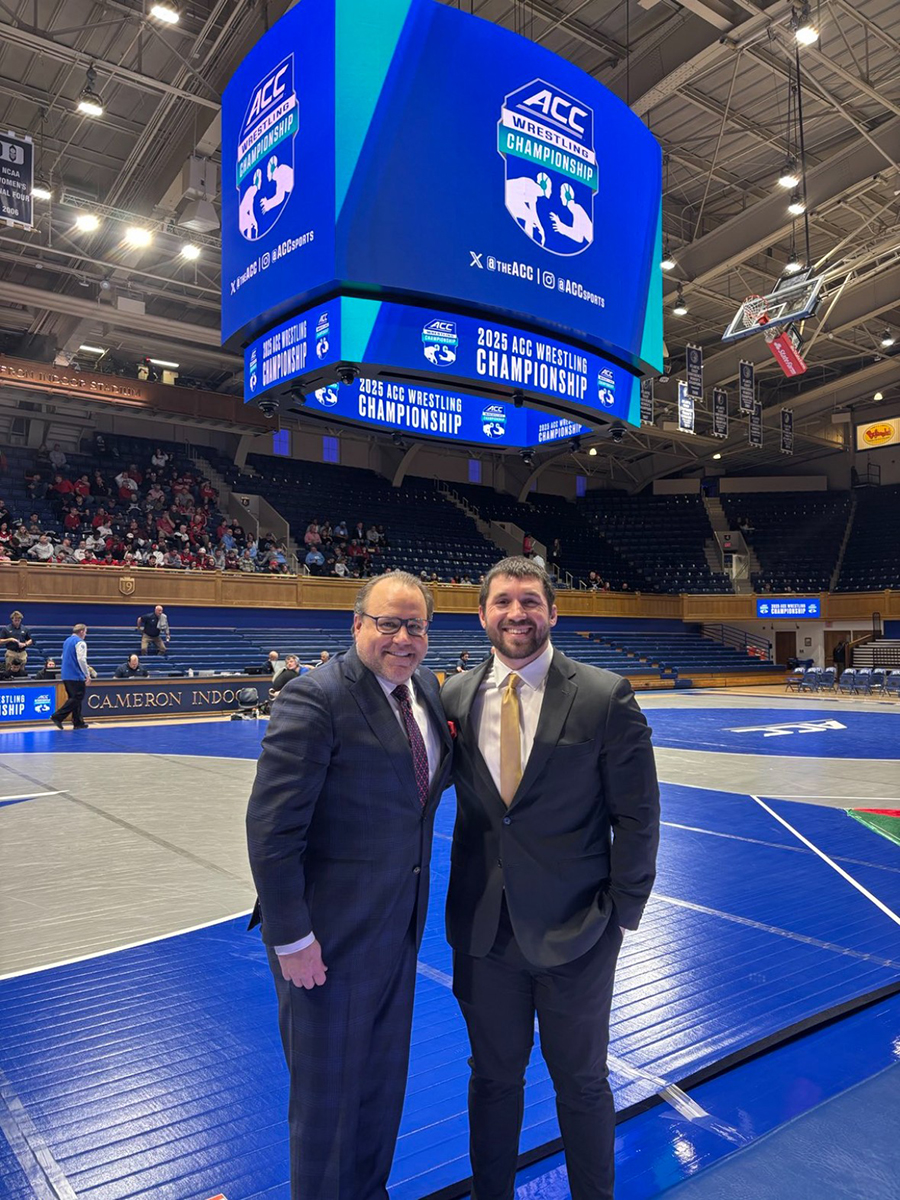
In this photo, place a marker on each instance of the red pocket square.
(451, 725)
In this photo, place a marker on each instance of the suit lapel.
(559, 693)
(381, 719)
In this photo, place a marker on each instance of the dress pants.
(499, 996)
(347, 1049)
(75, 689)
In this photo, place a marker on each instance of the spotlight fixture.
(527, 457)
(793, 264)
(518, 399)
(138, 237)
(797, 205)
(878, 396)
(162, 362)
(87, 222)
(805, 30)
(717, 456)
(680, 308)
(887, 339)
(789, 177)
(190, 251)
(668, 262)
(89, 103)
(41, 190)
(165, 13)
(593, 452)
(575, 445)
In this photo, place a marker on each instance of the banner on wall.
(16, 180)
(878, 433)
(787, 431)
(647, 401)
(694, 371)
(746, 386)
(755, 426)
(685, 408)
(720, 413)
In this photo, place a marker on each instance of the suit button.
(417, 870)
(499, 862)
(507, 820)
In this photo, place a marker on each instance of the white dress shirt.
(432, 748)
(486, 707)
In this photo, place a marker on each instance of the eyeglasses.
(415, 626)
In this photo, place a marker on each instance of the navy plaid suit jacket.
(339, 843)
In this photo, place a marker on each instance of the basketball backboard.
(792, 299)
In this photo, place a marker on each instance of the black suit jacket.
(577, 846)
(339, 843)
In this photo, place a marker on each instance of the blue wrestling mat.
(157, 1072)
(815, 733)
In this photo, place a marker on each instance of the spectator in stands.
(173, 561)
(159, 458)
(245, 562)
(462, 663)
(13, 671)
(82, 486)
(312, 537)
(340, 568)
(272, 661)
(556, 550)
(132, 669)
(49, 670)
(15, 638)
(42, 550)
(594, 582)
(527, 544)
(340, 531)
(6, 537)
(315, 560)
(99, 486)
(22, 541)
(76, 674)
(324, 657)
(289, 671)
(5, 515)
(42, 454)
(58, 459)
(373, 537)
(538, 559)
(154, 627)
(65, 552)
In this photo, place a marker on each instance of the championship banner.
(746, 386)
(647, 401)
(685, 408)
(754, 426)
(16, 180)
(787, 431)
(694, 371)
(720, 413)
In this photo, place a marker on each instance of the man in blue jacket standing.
(74, 675)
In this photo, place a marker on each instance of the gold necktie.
(510, 740)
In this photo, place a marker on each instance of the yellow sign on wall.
(877, 434)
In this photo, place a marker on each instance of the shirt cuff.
(295, 946)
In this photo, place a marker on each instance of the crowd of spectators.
(344, 552)
(157, 514)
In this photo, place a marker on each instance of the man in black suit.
(553, 858)
(339, 831)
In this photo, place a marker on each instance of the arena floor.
(138, 1048)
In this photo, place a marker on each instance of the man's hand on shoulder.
(304, 968)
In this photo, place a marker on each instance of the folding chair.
(810, 680)
(827, 679)
(863, 685)
(793, 681)
(847, 681)
(892, 684)
(878, 677)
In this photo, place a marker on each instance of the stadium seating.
(796, 536)
(872, 557)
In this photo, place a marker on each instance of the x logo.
(476, 259)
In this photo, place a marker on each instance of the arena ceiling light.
(593, 452)
(793, 264)
(797, 205)
(89, 103)
(41, 190)
(680, 308)
(92, 350)
(790, 176)
(668, 262)
(190, 251)
(878, 396)
(138, 237)
(805, 30)
(165, 13)
(163, 362)
(87, 222)
(887, 339)
(717, 455)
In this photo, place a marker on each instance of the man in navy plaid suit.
(339, 831)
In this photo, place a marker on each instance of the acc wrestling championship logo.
(493, 421)
(546, 138)
(327, 396)
(606, 388)
(439, 342)
(265, 153)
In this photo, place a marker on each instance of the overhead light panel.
(887, 339)
(878, 396)
(138, 236)
(789, 177)
(162, 362)
(805, 30)
(92, 349)
(41, 190)
(793, 264)
(717, 456)
(668, 262)
(190, 251)
(593, 452)
(680, 308)
(165, 13)
(87, 222)
(797, 205)
(89, 103)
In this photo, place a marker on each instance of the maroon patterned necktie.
(416, 741)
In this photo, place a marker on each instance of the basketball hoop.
(755, 311)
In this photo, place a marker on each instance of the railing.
(751, 643)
